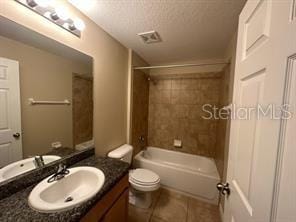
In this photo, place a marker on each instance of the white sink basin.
(22, 166)
(81, 184)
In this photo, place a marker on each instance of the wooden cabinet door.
(114, 202)
(119, 211)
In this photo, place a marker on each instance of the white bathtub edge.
(209, 196)
(139, 157)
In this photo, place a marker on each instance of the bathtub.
(191, 174)
(85, 145)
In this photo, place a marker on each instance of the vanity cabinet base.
(113, 207)
(119, 211)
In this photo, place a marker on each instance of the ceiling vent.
(150, 37)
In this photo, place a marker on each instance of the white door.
(266, 44)
(10, 112)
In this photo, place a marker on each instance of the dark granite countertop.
(20, 182)
(15, 207)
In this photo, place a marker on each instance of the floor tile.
(199, 211)
(156, 219)
(137, 214)
(155, 197)
(173, 194)
(171, 207)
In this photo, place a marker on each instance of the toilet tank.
(123, 153)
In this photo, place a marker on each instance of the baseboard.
(221, 212)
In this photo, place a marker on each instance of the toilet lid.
(143, 176)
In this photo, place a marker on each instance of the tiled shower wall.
(175, 112)
(82, 109)
(140, 111)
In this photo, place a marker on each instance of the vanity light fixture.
(56, 14)
(79, 24)
(61, 13)
(42, 3)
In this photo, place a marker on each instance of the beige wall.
(175, 112)
(110, 69)
(43, 76)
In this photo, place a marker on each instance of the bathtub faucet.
(142, 141)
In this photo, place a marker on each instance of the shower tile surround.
(140, 110)
(175, 112)
(223, 124)
(82, 108)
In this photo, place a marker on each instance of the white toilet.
(142, 181)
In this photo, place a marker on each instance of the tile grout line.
(155, 204)
(187, 212)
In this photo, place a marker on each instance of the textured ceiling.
(190, 29)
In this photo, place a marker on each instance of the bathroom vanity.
(50, 124)
(108, 205)
(113, 206)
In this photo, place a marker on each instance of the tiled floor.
(170, 206)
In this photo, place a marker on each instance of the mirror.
(46, 101)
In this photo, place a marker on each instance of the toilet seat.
(144, 180)
(144, 176)
(143, 184)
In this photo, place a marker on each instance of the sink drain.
(68, 199)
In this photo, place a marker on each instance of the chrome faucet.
(62, 171)
(38, 161)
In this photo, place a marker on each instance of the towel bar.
(35, 102)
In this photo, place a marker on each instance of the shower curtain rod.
(181, 65)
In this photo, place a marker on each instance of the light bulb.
(42, 3)
(79, 24)
(62, 13)
(47, 14)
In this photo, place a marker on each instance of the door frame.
(282, 147)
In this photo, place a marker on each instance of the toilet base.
(140, 199)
